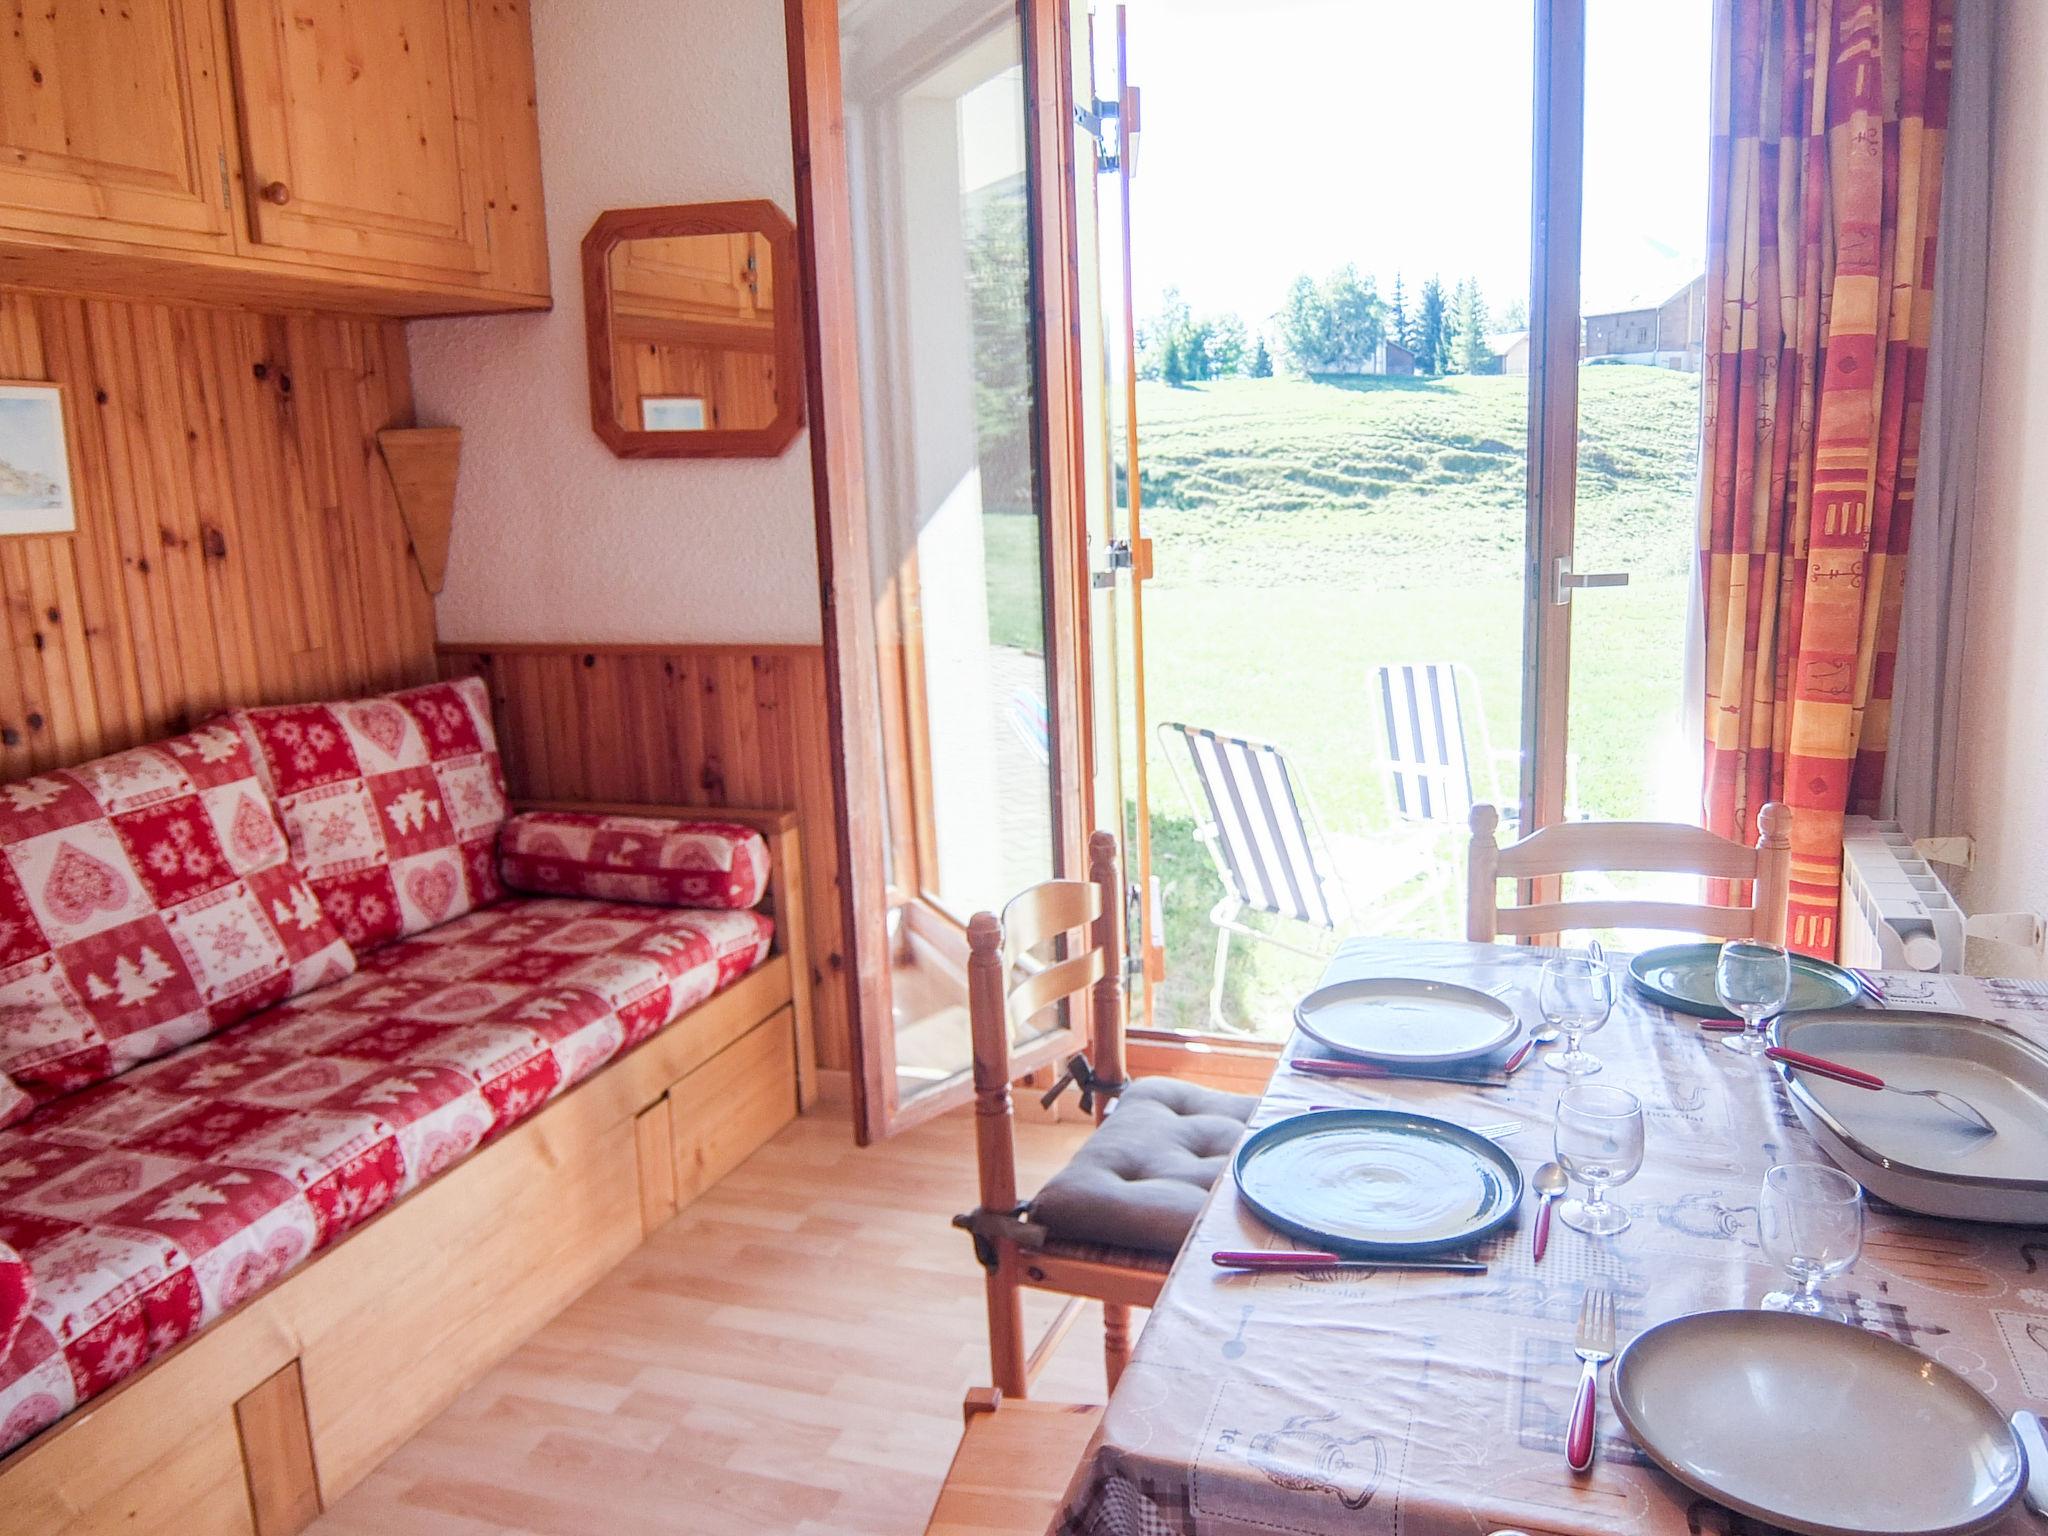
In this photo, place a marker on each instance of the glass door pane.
(937, 140)
(1632, 748)
(1332, 287)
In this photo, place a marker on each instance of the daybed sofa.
(262, 982)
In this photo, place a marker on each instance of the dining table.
(1436, 1404)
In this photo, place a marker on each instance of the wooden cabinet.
(359, 131)
(112, 122)
(380, 157)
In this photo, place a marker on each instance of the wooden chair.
(1107, 1227)
(1013, 1466)
(1656, 847)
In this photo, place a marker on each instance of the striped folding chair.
(1263, 837)
(1429, 757)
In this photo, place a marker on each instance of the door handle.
(1566, 581)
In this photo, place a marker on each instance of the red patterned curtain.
(1829, 118)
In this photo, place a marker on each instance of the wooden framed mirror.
(693, 331)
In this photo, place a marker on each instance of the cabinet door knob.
(277, 192)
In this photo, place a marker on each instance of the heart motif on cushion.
(30, 1415)
(120, 1178)
(253, 832)
(460, 1000)
(431, 889)
(251, 1271)
(80, 885)
(308, 1077)
(381, 724)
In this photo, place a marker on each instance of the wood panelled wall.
(237, 538)
(685, 725)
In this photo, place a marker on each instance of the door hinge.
(227, 197)
(1119, 555)
(1094, 120)
(1565, 581)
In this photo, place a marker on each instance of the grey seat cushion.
(1140, 1180)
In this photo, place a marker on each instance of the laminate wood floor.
(787, 1355)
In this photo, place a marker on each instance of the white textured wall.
(641, 101)
(2003, 796)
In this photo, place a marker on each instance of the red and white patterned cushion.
(392, 804)
(15, 1101)
(149, 1206)
(146, 899)
(17, 1294)
(669, 863)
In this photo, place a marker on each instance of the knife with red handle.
(1296, 1258)
(1820, 1066)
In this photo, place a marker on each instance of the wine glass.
(1600, 1144)
(1576, 994)
(1811, 1219)
(1754, 981)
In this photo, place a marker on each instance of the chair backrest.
(1007, 987)
(1428, 761)
(1651, 847)
(1258, 827)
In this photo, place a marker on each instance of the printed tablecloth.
(1422, 1404)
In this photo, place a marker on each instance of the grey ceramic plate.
(1819, 1427)
(1681, 976)
(1404, 1022)
(1911, 1151)
(1377, 1183)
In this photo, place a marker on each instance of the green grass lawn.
(1306, 532)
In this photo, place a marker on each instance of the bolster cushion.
(662, 862)
(1139, 1181)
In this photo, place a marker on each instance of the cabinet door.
(113, 123)
(359, 131)
(684, 274)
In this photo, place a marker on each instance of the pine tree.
(1262, 361)
(1431, 330)
(1451, 354)
(1400, 327)
(1172, 366)
(1475, 353)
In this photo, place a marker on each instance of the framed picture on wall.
(35, 460)
(672, 413)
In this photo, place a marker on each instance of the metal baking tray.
(1910, 1151)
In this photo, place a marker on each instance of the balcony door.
(955, 586)
(998, 488)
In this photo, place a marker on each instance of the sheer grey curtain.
(1920, 770)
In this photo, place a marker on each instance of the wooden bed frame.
(264, 1418)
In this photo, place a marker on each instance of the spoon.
(1549, 1182)
(1856, 1077)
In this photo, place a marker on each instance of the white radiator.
(1896, 913)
